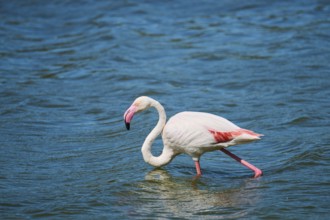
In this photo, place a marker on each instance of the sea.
(69, 70)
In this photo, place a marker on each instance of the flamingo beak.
(127, 125)
(128, 116)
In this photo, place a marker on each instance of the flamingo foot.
(257, 171)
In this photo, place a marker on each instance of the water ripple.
(69, 70)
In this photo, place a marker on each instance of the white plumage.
(193, 133)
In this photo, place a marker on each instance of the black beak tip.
(127, 125)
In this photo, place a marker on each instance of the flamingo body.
(192, 133)
(195, 133)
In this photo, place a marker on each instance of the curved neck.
(167, 154)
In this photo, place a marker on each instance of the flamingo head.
(140, 104)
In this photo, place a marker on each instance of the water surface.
(69, 70)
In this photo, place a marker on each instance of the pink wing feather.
(221, 137)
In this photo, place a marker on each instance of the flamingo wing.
(195, 133)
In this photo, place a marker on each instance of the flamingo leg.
(257, 171)
(198, 168)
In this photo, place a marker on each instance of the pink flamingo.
(193, 133)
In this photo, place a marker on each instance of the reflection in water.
(187, 198)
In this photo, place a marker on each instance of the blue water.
(69, 70)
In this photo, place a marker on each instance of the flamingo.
(192, 133)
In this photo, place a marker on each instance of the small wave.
(298, 120)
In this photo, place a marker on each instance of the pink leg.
(257, 171)
(198, 168)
